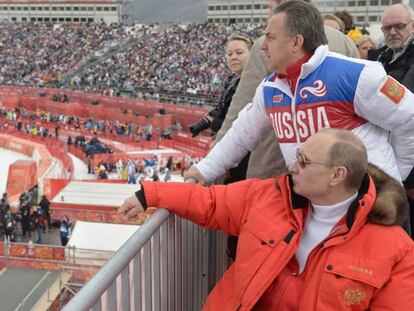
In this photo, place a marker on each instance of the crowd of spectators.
(183, 59)
(39, 54)
(29, 218)
(46, 124)
(155, 168)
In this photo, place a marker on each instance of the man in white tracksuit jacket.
(329, 90)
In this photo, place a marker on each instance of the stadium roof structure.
(89, 194)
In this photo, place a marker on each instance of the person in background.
(17, 229)
(365, 44)
(266, 160)
(351, 30)
(237, 53)
(397, 57)
(45, 206)
(5, 199)
(38, 222)
(304, 95)
(334, 22)
(25, 215)
(65, 230)
(8, 224)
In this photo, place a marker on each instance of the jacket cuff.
(149, 190)
(141, 198)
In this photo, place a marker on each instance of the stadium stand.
(119, 59)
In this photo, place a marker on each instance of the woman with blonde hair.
(334, 22)
(237, 53)
(364, 45)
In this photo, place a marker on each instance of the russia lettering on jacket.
(308, 121)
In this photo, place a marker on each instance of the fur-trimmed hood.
(390, 207)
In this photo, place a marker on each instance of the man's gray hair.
(303, 19)
(407, 8)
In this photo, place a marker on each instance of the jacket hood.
(390, 207)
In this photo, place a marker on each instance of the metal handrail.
(93, 290)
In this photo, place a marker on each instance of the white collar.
(332, 213)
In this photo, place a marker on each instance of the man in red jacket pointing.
(323, 237)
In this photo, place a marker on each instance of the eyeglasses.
(303, 160)
(397, 27)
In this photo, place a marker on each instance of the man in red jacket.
(324, 237)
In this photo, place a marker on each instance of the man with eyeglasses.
(397, 57)
(266, 160)
(324, 237)
(311, 89)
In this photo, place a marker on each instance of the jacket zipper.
(295, 127)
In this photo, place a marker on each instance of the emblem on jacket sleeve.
(318, 89)
(353, 296)
(277, 98)
(393, 90)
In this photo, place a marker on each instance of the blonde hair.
(335, 19)
(239, 37)
(365, 38)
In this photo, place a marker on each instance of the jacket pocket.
(349, 282)
(266, 231)
(259, 239)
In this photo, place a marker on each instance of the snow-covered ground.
(7, 157)
(80, 168)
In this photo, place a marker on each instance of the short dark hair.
(303, 18)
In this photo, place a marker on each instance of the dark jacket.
(401, 69)
(220, 111)
(44, 204)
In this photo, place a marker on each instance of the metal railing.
(165, 265)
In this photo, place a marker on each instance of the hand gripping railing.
(163, 266)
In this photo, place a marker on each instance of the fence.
(165, 265)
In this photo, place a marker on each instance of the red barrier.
(109, 108)
(16, 146)
(9, 101)
(51, 187)
(201, 143)
(28, 102)
(22, 177)
(108, 215)
(55, 147)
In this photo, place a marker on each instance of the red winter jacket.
(362, 265)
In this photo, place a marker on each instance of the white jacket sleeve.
(386, 103)
(245, 134)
